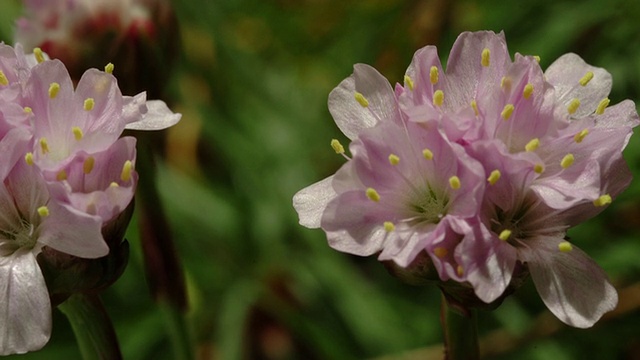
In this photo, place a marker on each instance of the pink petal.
(311, 201)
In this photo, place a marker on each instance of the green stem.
(460, 332)
(92, 327)
(178, 331)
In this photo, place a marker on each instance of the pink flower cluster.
(65, 171)
(482, 167)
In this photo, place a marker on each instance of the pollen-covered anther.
(532, 145)
(109, 68)
(538, 168)
(565, 246)
(337, 147)
(460, 270)
(54, 88)
(505, 82)
(372, 194)
(440, 252)
(494, 177)
(88, 164)
(389, 226)
(3, 79)
(507, 111)
(505, 235)
(89, 103)
(485, 58)
(573, 106)
(27, 110)
(586, 78)
(581, 135)
(61, 175)
(434, 75)
(438, 98)
(77, 133)
(43, 211)
(28, 158)
(114, 184)
(37, 52)
(394, 159)
(602, 106)
(454, 182)
(44, 145)
(567, 161)
(361, 99)
(528, 91)
(474, 105)
(427, 154)
(537, 58)
(602, 200)
(409, 82)
(125, 175)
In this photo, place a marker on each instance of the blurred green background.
(252, 83)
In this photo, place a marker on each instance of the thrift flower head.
(483, 166)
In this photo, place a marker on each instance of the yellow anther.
(567, 161)
(3, 79)
(537, 58)
(409, 81)
(438, 98)
(474, 105)
(581, 135)
(28, 158)
(88, 164)
(505, 83)
(427, 154)
(54, 88)
(114, 184)
(373, 195)
(532, 145)
(43, 211)
(602, 200)
(440, 252)
(454, 182)
(38, 54)
(89, 103)
(486, 57)
(44, 145)
(434, 75)
(388, 226)
(61, 175)
(494, 177)
(573, 106)
(586, 78)
(361, 99)
(337, 147)
(602, 105)
(538, 168)
(109, 68)
(77, 133)
(507, 111)
(504, 235)
(394, 159)
(27, 110)
(565, 246)
(460, 270)
(125, 175)
(528, 91)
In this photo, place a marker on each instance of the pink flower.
(550, 155)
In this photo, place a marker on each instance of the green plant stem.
(460, 332)
(92, 327)
(177, 329)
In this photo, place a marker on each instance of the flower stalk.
(460, 331)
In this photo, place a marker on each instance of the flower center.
(20, 237)
(427, 206)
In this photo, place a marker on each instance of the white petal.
(311, 201)
(158, 117)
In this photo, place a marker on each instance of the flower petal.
(311, 201)
(157, 117)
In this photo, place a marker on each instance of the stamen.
(109, 68)
(43, 211)
(504, 235)
(440, 252)
(602, 200)
(44, 146)
(565, 247)
(581, 135)
(573, 106)
(3, 79)
(474, 105)
(409, 82)
(361, 99)
(388, 226)
(88, 164)
(434, 75)
(38, 54)
(77, 133)
(427, 154)
(532, 145)
(486, 57)
(61, 176)
(114, 184)
(373, 195)
(125, 175)
(505, 83)
(27, 110)
(538, 168)
(89, 103)
(454, 182)
(586, 78)
(507, 111)
(537, 58)
(394, 159)
(528, 91)
(460, 270)
(28, 158)
(567, 161)
(494, 177)
(438, 98)
(54, 88)
(602, 105)
(337, 147)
